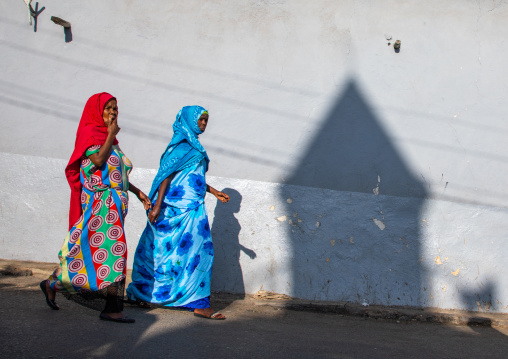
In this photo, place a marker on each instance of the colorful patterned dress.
(173, 260)
(94, 253)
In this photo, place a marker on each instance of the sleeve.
(91, 150)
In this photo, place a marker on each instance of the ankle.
(48, 287)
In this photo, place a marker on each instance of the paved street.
(30, 329)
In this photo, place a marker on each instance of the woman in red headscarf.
(93, 257)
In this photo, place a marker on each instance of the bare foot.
(207, 312)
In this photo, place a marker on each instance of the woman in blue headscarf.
(173, 260)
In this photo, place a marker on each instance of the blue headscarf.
(184, 149)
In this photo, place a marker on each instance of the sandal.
(104, 316)
(214, 316)
(51, 303)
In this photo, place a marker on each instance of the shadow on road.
(30, 329)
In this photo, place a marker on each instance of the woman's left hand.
(221, 196)
(145, 200)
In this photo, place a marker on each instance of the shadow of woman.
(227, 272)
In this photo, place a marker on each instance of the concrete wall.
(356, 173)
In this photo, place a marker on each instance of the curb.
(281, 301)
(396, 314)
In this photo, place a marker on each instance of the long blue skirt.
(173, 260)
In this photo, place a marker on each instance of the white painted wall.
(385, 170)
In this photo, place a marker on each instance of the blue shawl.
(184, 149)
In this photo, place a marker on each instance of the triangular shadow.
(355, 224)
(351, 150)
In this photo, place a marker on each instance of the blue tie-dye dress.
(173, 260)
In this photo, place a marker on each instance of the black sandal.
(51, 303)
(104, 316)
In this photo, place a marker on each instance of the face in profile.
(110, 112)
(203, 122)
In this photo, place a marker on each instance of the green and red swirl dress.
(94, 253)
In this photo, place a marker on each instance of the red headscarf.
(91, 131)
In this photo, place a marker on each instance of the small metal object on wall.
(33, 13)
(62, 22)
(66, 25)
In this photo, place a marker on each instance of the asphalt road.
(30, 329)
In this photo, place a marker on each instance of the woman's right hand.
(154, 214)
(113, 128)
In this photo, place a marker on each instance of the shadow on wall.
(228, 263)
(480, 300)
(354, 214)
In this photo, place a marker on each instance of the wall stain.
(379, 223)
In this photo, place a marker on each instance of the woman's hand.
(145, 200)
(113, 128)
(221, 196)
(154, 214)
(156, 210)
(141, 196)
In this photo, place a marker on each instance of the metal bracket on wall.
(33, 13)
(66, 25)
(62, 22)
